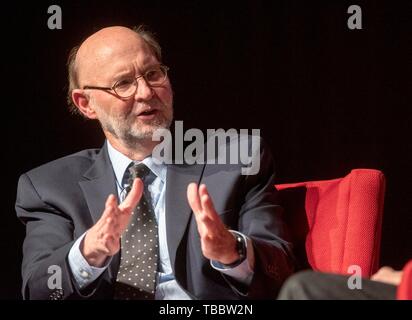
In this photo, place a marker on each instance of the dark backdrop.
(327, 99)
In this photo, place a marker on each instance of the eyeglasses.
(127, 87)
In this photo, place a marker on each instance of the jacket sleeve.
(49, 237)
(261, 219)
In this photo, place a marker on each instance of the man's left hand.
(218, 243)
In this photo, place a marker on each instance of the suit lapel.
(178, 211)
(99, 182)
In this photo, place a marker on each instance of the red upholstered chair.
(405, 288)
(336, 223)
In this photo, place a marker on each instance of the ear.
(82, 102)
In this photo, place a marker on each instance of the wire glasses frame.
(127, 87)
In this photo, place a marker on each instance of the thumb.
(133, 197)
(193, 197)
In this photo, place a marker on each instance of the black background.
(327, 99)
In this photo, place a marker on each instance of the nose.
(144, 92)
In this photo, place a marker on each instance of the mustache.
(139, 108)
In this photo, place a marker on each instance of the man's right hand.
(103, 239)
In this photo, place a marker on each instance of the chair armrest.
(404, 291)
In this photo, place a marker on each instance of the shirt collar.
(120, 162)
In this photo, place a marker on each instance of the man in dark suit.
(208, 232)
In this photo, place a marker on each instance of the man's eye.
(153, 75)
(124, 83)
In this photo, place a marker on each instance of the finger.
(193, 198)
(110, 222)
(207, 203)
(111, 226)
(133, 197)
(208, 225)
(105, 244)
(111, 203)
(109, 210)
(208, 228)
(106, 226)
(112, 243)
(203, 189)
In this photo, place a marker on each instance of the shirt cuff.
(244, 271)
(83, 273)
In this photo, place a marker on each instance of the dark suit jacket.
(62, 199)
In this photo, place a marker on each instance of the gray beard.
(132, 137)
(125, 129)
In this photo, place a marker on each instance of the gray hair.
(73, 79)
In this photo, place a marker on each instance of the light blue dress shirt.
(167, 287)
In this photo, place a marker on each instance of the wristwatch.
(241, 250)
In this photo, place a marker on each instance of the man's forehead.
(111, 48)
(110, 36)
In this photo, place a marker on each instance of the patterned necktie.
(136, 278)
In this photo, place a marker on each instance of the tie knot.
(139, 170)
(134, 171)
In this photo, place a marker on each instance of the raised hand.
(217, 242)
(103, 239)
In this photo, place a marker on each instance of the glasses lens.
(156, 76)
(125, 87)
